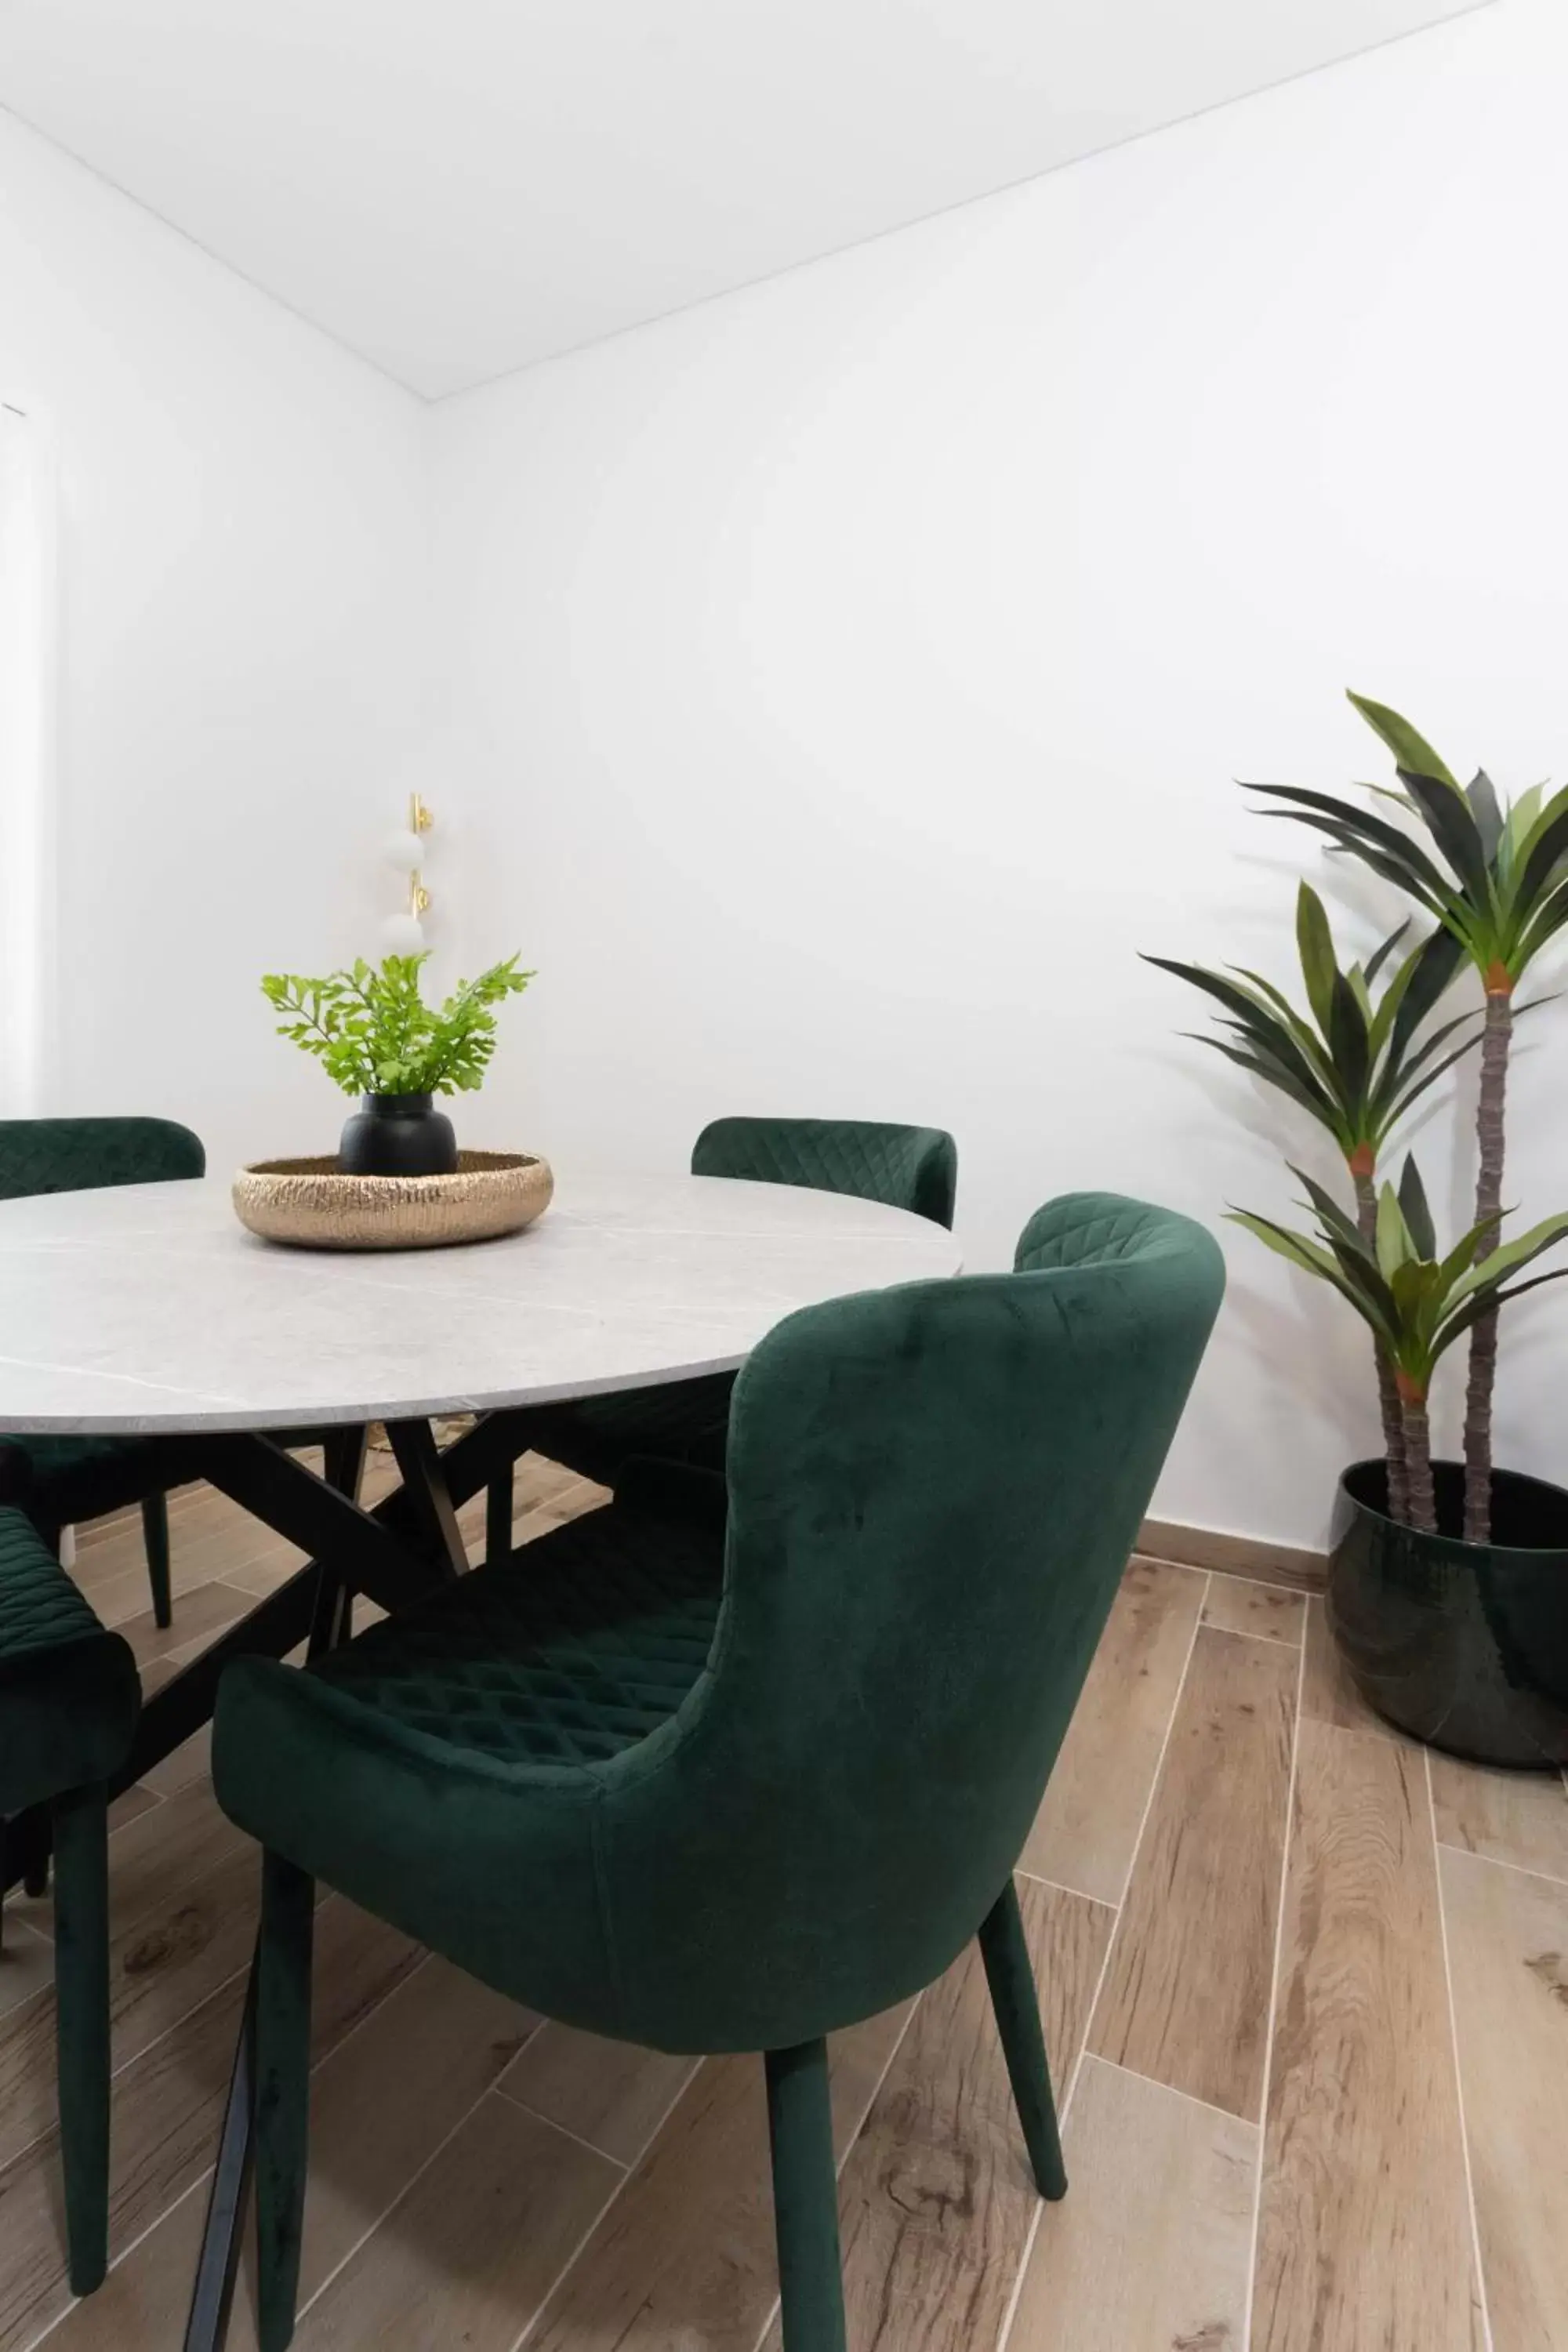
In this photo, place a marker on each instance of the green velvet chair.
(731, 1777)
(914, 1168)
(68, 1703)
(62, 1482)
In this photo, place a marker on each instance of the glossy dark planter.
(398, 1135)
(1466, 1646)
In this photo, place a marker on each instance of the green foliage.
(1350, 1059)
(1495, 878)
(373, 1033)
(1417, 1303)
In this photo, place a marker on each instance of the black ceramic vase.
(1465, 1645)
(398, 1135)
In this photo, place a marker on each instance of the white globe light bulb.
(404, 850)
(401, 934)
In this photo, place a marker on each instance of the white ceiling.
(455, 188)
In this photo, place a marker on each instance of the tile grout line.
(1060, 1886)
(421, 2169)
(1480, 2276)
(1154, 1777)
(535, 2115)
(1494, 1861)
(1226, 2115)
(196, 2010)
(123, 2255)
(1116, 1908)
(1246, 2345)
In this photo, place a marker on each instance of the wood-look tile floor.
(1305, 1990)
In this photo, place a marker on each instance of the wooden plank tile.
(131, 1804)
(1088, 1823)
(1328, 1693)
(162, 1965)
(190, 1762)
(142, 2307)
(198, 1615)
(474, 2246)
(1186, 1999)
(685, 2256)
(611, 2093)
(165, 2114)
(1518, 1817)
(1267, 1611)
(1152, 2245)
(27, 1970)
(161, 1848)
(937, 2198)
(1364, 2235)
(1253, 1556)
(1507, 1950)
(383, 2103)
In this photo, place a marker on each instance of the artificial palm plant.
(1351, 1059)
(1496, 880)
(1415, 1303)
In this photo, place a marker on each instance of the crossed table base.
(393, 1554)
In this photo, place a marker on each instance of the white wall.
(242, 573)
(851, 671)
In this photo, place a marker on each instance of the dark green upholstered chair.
(68, 1701)
(732, 1777)
(914, 1168)
(61, 1481)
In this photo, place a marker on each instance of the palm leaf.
(1362, 831)
(1457, 834)
(1315, 945)
(1379, 955)
(1499, 1264)
(1417, 1213)
(1409, 749)
(1481, 795)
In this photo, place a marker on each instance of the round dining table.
(146, 1312)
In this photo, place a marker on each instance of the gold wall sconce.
(404, 933)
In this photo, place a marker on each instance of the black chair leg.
(81, 1987)
(155, 1536)
(281, 2092)
(497, 1517)
(806, 2200)
(1013, 1997)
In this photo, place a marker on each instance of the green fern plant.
(373, 1033)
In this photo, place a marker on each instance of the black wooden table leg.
(343, 1470)
(429, 1497)
(217, 2264)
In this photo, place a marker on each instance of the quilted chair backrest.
(934, 1491)
(914, 1168)
(80, 1155)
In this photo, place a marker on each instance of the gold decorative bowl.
(312, 1204)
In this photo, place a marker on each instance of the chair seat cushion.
(677, 1421)
(566, 1653)
(70, 1693)
(445, 1769)
(63, 1479)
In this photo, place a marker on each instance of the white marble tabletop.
(148, 1308)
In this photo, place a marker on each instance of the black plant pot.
(398, 1135)
(1466, 1646)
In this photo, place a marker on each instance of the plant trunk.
(1422, 1495)
(1495, 1042)
(1365, 1182)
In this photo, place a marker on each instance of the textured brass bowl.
(310, 1203)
